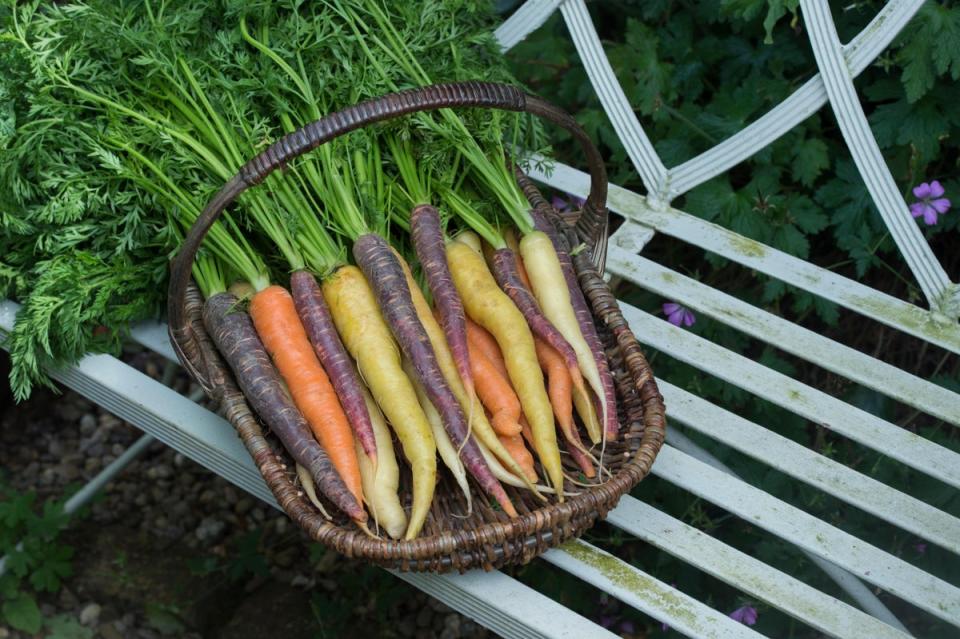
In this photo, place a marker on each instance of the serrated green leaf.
(777, 9)
(54, 566)
(827, 310)
(806, 214)
(708, 200)
(789, 239)
(23, 613)
(917, 76)
(810, 158)
(773, 289)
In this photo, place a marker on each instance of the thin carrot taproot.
(428, 242)
(549, 286)
(581, 397)
(496, 394)
(381, 481)
(581, 310)
(366, 336)
(471, 404)
(480, 338)
(275, 318)
(315, 315)
(519, 452)
(237, 340)
(490, 307)
(382, 268)
(445, 447)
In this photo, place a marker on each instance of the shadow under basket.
(450, 539)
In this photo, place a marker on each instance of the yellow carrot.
(471, 405)
(549, 287)
(381, 481)
(490, 307)
(368, 339)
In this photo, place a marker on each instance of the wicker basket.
(448, 541)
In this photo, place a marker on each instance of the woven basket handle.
(430, 98)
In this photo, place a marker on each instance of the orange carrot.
(496, 393)
(520, 454)
(484, 342)
(559, 385)
(560, 390)
(276, 320)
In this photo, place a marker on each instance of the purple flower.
(745, 614)
(678, 315)
(563, 205)
(664, 627)
(626, 626)
(931, 202)
(921, 548)
(607, 621)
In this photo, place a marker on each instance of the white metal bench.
(515, 610)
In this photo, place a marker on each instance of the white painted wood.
(823, 612)
(645, 593)
(823, 409)
(505, 605)
(863, 146)
(868, 562)
(886, 309)
(814, 469)
(785, 335)
(803, 103)
(524, 21)
(615, 103)
(858, 591)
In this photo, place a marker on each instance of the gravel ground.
(170, 549)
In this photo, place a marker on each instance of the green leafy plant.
(36, 561)
(696, 73)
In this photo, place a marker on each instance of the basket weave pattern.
(487, 538)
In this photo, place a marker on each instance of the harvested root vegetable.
(367, 338)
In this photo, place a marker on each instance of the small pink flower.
(931, 202)
(746, 615)
(677, 314)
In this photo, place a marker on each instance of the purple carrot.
(505, 271)
(237, 340)
(430, 248)
(315, 315)
(582, 311)
(389, 284)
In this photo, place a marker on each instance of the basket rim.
(492, 543)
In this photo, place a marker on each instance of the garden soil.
(169, 549)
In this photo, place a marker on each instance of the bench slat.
(806, 531)
(810, 606)
(645, 593)
(785, 335)
(529, 17)
(834, 414)
(814, 469)
(886, 309)
(615, 103)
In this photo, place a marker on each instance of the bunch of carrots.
(484, 363)
(504, 358)
(391, 288)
